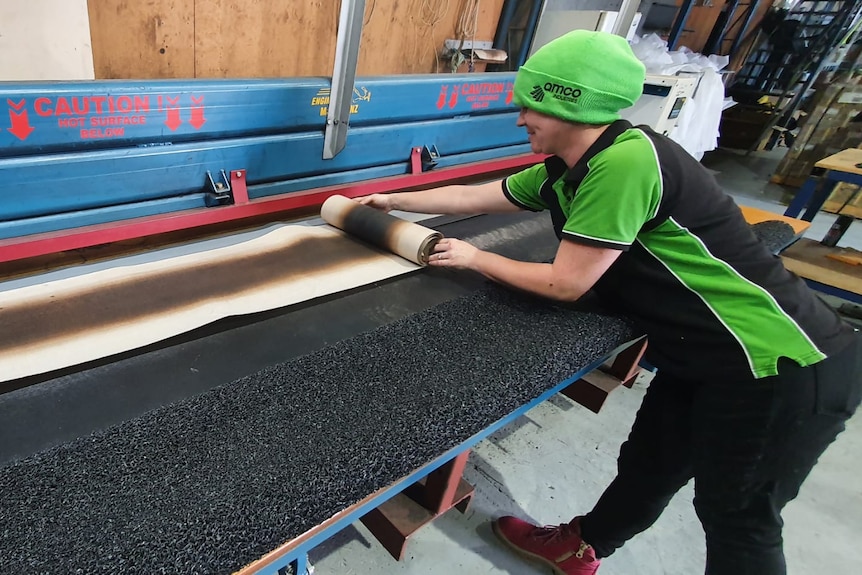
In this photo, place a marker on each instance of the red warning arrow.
(173, 121)
(441, 101)
(197, 120)
(454, 99)
(21, 127)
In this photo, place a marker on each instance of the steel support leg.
(343, 76)
(593, 389)
(800, 200)
(393, 522)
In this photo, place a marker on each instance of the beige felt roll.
(406, 239)
(54, 322)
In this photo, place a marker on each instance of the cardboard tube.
(406, 239)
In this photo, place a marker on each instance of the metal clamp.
(429, 157)
(218, 193)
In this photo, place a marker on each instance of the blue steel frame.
(832, 290)
(160, 112)
(816, 190)
(74, 154)
(811, 197)
(278, 559)
(679, 23)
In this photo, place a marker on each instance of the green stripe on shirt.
(747, 310)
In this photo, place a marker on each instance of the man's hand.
(381, 202)
(453, 253)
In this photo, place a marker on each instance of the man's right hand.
(381, 202)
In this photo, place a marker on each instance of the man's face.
(546, 133)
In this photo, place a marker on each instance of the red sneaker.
(561, 547)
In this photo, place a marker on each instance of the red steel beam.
(54, 242)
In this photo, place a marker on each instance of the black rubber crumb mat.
(775, 234)
(214, 482)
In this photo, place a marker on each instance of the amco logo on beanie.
(561, 92)
(537, 93)
(557, 91)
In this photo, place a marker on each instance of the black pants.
(747, 444)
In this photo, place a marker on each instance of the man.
(756, 376)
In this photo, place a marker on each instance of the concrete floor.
(554, 462)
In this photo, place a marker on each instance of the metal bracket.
(453, 45)
(429, 157)
(423, 159)
(343, 76)
(218, 193)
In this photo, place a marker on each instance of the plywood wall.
(271, 38)
(143, 38)
(264, 38)
(406, 36)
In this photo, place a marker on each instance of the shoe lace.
(552, 533)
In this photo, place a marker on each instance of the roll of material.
(70, 317)
(406, 239)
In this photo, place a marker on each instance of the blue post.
(820, 196)
(679, 24)
(529, 32)
(501, 37)
(800, 200)
(740, 35)
(301, 565)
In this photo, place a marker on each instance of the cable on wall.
(431, 13)
(465, 28)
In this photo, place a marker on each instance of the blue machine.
(75, 154)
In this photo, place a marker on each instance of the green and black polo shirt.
(712, 298)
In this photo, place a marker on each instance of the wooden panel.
(846, 199)
(702, 18)
(270, 38)
(847, 161)
(407, 37)
(142, 38)
(265, 38)
(811, 260)
(699, 24)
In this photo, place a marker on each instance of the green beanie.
(582, 76)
